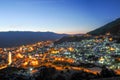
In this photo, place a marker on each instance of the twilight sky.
(60, 16)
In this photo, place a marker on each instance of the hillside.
(11, 39)
(73, 38)
(112, 27)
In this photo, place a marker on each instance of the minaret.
(9, 58)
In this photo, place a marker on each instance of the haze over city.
(60, 16)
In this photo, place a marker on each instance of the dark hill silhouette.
(17, 38)
(73, 38)
(112, 27)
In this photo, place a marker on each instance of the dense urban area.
(96, 58)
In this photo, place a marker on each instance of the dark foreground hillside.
(50, 73)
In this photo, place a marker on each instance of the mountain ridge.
(17, 38)
(113, 27)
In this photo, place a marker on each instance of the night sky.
(60, 16)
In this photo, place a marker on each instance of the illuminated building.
(101, 60)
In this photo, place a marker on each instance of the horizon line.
(43, 31)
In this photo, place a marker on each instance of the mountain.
(112, 27)
(17, 38)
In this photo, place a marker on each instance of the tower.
(9, 58)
